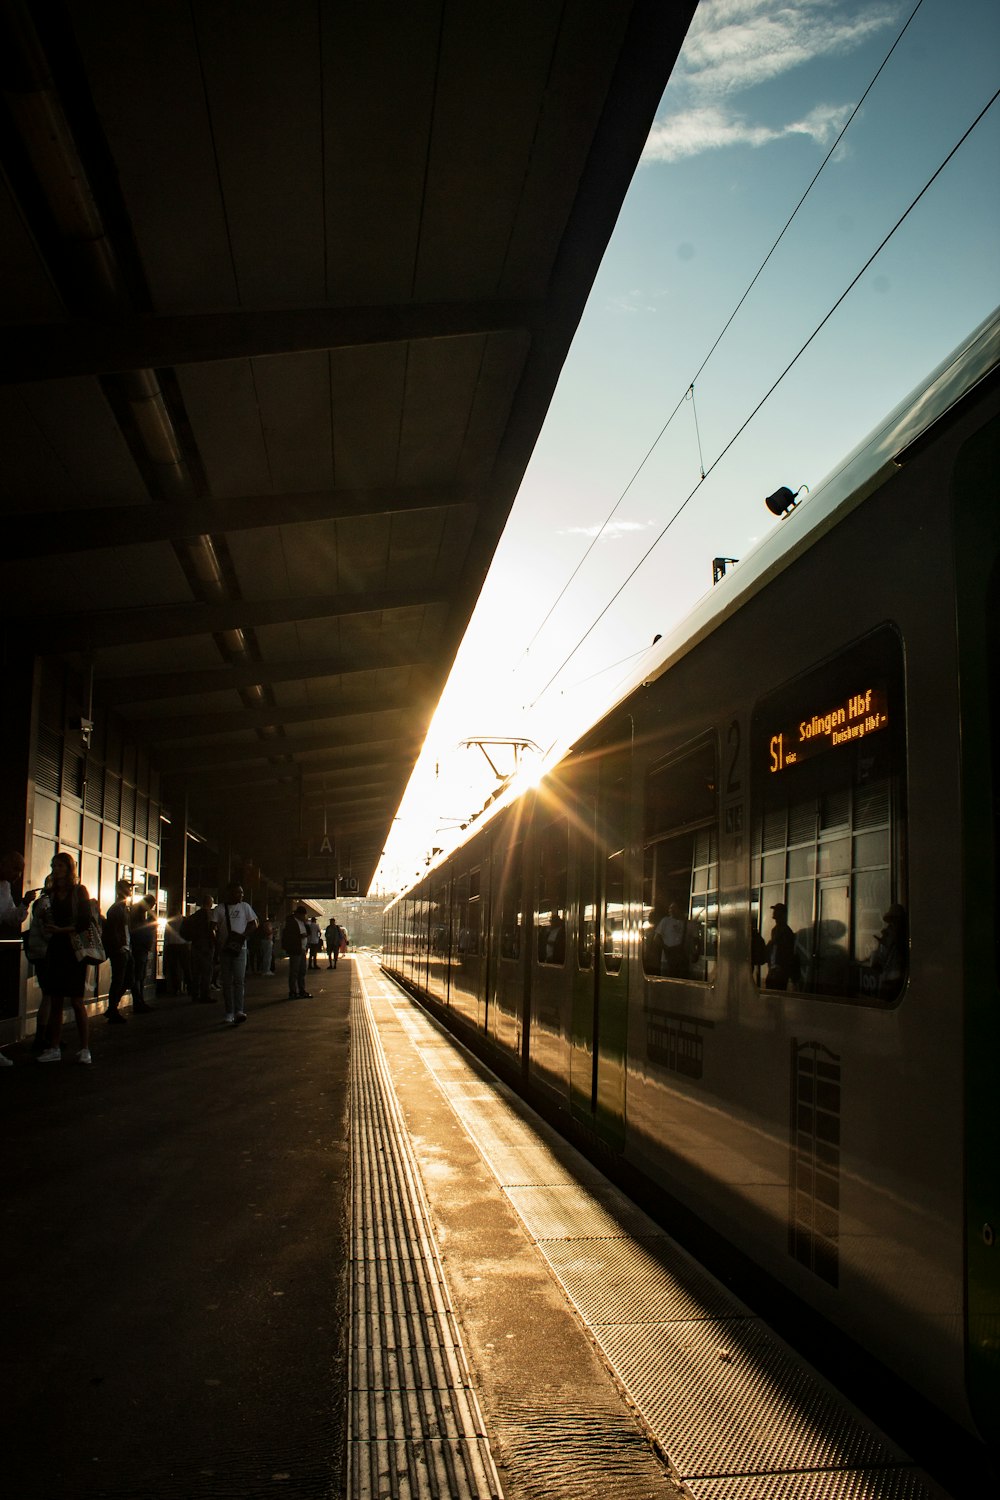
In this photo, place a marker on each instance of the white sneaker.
(230, 1020)
(5, 1061)
(51, 1054)
(84, 1055)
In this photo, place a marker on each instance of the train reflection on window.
(550, 923)
(829, 829)
(511, 904)
(681, 866)
(613, 819)
(586, 929)
(467, 915)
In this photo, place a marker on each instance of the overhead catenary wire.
(689, 392)
(768, 393)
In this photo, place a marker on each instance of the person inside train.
(671, 937)
(782, 960)
(889, 958)
(552, 947)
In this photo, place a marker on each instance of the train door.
(833, 927)
(600, 981)
(611, 968)
(583, 1015)
(510, 970)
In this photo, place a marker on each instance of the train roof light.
(784, 500)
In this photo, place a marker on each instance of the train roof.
(859, 475)
(856, 477)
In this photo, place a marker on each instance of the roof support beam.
(50, 534)
(295, 778)
(104, 628)
(159, 685)
(190, 763)
(84, 346)
(196, 726)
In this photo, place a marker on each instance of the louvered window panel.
(95, 790)
(113, 799)
(871, 805)
(47, 760)
(72, 783)
(128, 807)
(835, 808)
(802, 822)
(775, 825)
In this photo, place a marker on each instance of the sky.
(756, 101)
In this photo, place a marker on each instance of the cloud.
(612, 532)
(736, 45)
(710, 128)
(637, 300)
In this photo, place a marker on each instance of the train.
(743, 936)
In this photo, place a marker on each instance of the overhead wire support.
(689, 396)
(725, 327)
(771, 390)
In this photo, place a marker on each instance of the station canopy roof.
(286, 287)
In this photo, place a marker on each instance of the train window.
(551, 909)
(511, 904)
(587, 871)
(827, 876)
(681, 866)
(467, 915)
(614, 819)
(438, 934)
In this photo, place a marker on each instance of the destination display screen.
(826, 727)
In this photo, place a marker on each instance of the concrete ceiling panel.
(146, 79)
(224, 411)
(61, 446)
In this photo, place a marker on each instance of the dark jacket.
(292, 938)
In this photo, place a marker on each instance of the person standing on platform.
(142, 926)
(332, 936)
(13, 910)
(176, 956)
(203, 938)
(265, 948)
(63, 973)
(118, 946)
(294, 940)
(235, 919)
(314, 941)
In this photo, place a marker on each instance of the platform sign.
(312, 890)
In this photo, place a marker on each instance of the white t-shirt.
(234, 916)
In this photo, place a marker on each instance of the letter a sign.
(325, 846)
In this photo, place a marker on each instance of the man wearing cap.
(780, 950)
(118, 946)
(294, 942)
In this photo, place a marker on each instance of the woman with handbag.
(64, 971)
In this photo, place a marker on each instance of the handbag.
(87, 945)
(234, 942)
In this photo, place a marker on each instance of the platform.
(327, 1253)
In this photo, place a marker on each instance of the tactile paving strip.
(416, 1432)
(741, 1416)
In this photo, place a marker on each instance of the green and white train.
(821, 735)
